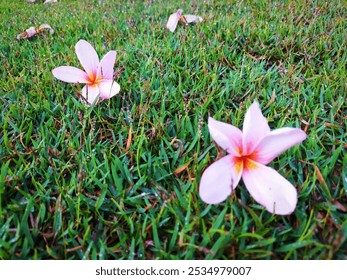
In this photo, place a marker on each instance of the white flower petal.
(173, 20)
(276, 142)
(70, 74)
(90, 93)
(87, 57)
(255, 127)
(226, 136)
(108, 89)
(219, 180)
(191, 18)
(269, 188)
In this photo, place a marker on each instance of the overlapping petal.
(227, 136)
(108, 89)
(90, 93)
(255, 127)
(219, 180)
(105, 69)
(270, 189)
(87, 57)
(70, 74)
(276, 142)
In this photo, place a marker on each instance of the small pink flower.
(98, 76)
(248, 153)
(176, 17)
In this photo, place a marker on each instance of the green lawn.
(120, 180)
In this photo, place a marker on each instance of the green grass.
(120, 180)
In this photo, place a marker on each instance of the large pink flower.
(248, 153)
(98, 76)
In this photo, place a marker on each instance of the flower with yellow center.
(98, 76)
(248, 153)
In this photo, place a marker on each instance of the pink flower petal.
(276, 142)
(90, 93)
(70, 74)
(87, 57)
(179, 13)
(255, 127)
(108, 89)
(227, 136)
(269, 188)
(173, 20)
(28, 33)
(191, 18)
(219, 180)
(45, 26)
(106, 65)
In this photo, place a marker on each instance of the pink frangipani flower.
(248, 153)
(33, 31)
(98, 76)
(177, 16)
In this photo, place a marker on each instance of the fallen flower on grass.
(248, 153)
(32, 31)
(177, 16)
(98, 76)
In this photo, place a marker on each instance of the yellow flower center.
(245, 162)
(94, 79)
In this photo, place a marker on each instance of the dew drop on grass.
(23, 201)
(50, 170)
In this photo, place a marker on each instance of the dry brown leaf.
(129, 139)
(182, 168)
(321, 180)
